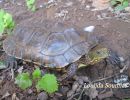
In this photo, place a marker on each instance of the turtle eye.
(98, 52)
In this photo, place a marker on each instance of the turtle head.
(97, 54)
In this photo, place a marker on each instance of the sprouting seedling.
(23, 80)
(6, 22)
(48, 82)
(36, 74)
(31, 5)
(119, 5)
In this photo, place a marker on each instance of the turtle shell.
(51, 44)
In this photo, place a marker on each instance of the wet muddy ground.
(113, 30)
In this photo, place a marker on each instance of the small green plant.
(31, 5)
(36, 74)
(23, 80)
(126, 99)
(119, 5)
(6, 22)
(48, 82)
(2, 65)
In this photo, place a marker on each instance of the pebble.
(79, 88)
(30, 91)
(64, 89)
(42, 96)
(85, 78)
(127, 9)
(58, 94)
(75, 86)
(80, 81)
(69, 4)
(89, 29)
(121, 59)
(70, 93)
(87, 7)
(20, 70)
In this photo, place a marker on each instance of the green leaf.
(6, 21)
(23, 80)
(1, 27)
(48, 83)
(1, 21)
(33, 8)
(36, 74)
(126, 99)
(120, 0)
(2, 65)
(30, 4)
(1, 13)
(119, 8)
(30, 1)
(113, 2)
(125, 3)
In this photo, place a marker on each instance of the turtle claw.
(11, 62)
(71, 70)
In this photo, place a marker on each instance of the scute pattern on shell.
(53, 46)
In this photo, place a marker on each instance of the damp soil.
(112, 29)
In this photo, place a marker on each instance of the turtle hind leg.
(71, 70)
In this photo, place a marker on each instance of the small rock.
(79, 88)
(30, 91)
(42, 96)
(91, 92)
(20, 70)
(69, 4)
(51, 1)
(127, 9)
(121, 59)
(62, 13)
(85, 78)
(76, 77)
(89, 28)
(64, 89)
(75, 86)
(87, 7)
(80, 81)
(19, 4)
(58, 94)
(51, 95)
(70, 93)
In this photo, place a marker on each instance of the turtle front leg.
(10, 62)
(71, 70)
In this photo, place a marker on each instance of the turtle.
(52, 44)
